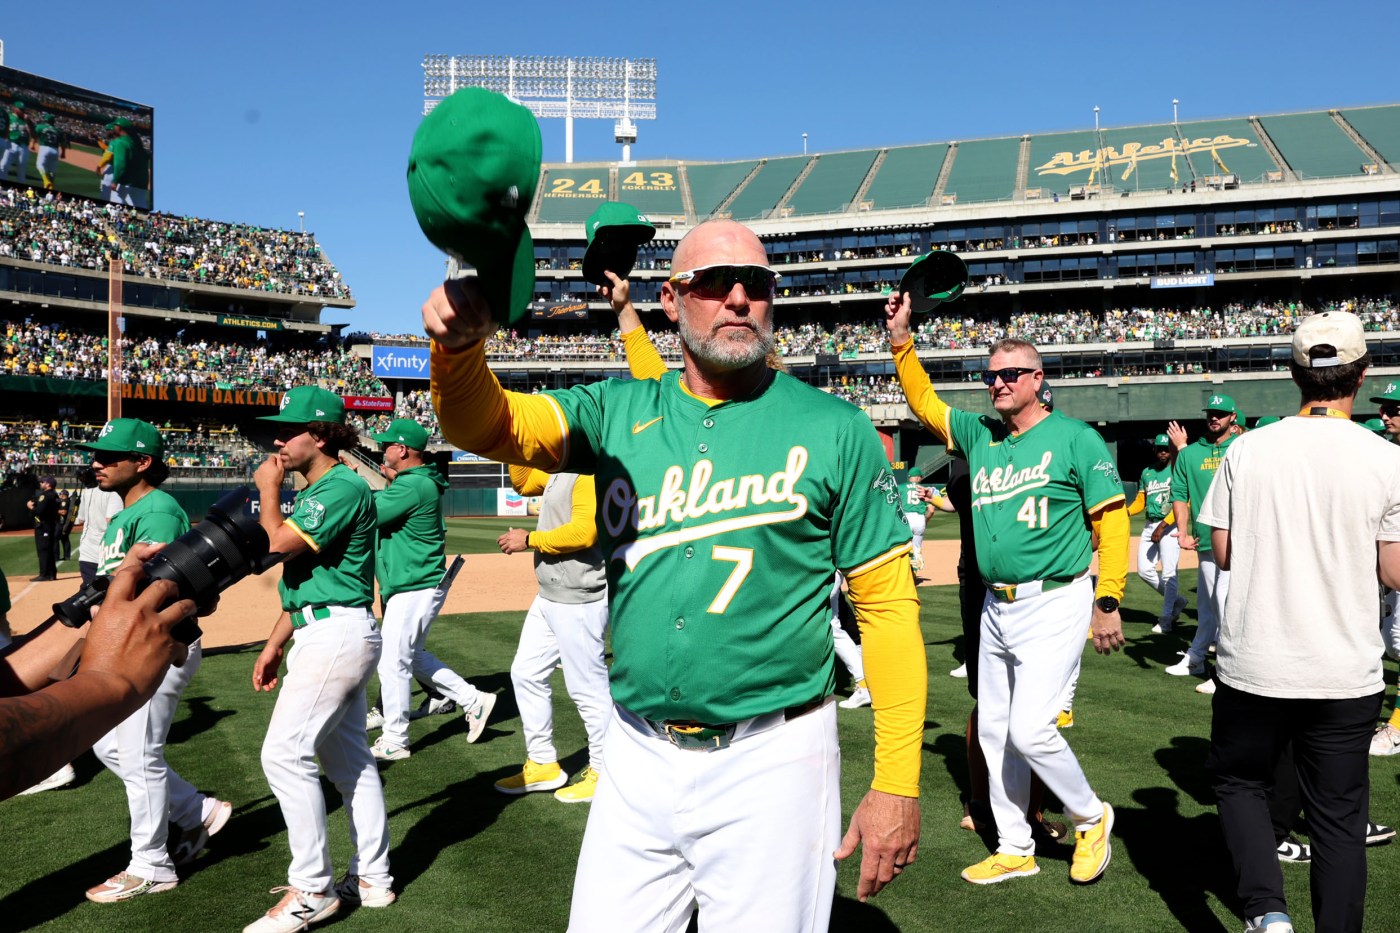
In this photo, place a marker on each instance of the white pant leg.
(1213, 585)
(137, 748)
(747, 832)
(579, 630)
(403, 629)
(327, 669)
(1169, 553)
(348, 764)
(1067, 703)
(917, 525)
(534, 662)
(427, 668)
(186, 802)
(1147, 555)
(848, 651)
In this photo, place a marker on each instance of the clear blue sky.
(267, 108)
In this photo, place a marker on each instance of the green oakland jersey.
(1191, 478)
(128, 162)
(48, 135)
(412, 533)
(155, 518)
(910, 498)
(722, 526)
(18, 130)
(335, 515)
(1156, 486)
(1032, 493)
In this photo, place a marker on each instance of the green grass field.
(467, 858)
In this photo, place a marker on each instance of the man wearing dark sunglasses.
(1386, 741)
(1040, 484)
(728, 496)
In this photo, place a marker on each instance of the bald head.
(718, 241)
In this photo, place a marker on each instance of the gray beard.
(724, 353)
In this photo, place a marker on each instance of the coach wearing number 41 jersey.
(1041, 484)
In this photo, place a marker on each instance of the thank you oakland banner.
(400, 362)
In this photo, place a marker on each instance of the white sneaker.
(355, 890)
(478, 714)
(1386, 741)
(434, 706)
(374, 719)
(859, 697)
(60, 778)
(1187, 667)
(188, 843)
(1162, 627)
(297, 910)
(1207, 687)
(959, 672)
(384, 750)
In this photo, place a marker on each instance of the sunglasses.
(1008, 375)
(716, 282)
(1390, 411)
(1219, 415)
(290, 431)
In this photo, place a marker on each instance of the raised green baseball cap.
(1266, 420)
(472, 174)
(1374, 425)
(305, 404)
(1391, 393)
(1161, 440)
(404, 431)
(615, 230)
(1221, 403)
(933, 279)
(128, 436)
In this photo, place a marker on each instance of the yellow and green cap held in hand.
(615, 230)
(933, 279)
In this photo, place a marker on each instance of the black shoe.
(1376, 834)
(1291, 850)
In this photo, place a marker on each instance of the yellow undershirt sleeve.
(528, 481)
(476, 414)
(1111, 529)
(642, 359)
(918, 390)
(1138, 504)
(896, 670)
(581, 531)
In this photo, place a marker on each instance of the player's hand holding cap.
(615, 230)
(472, 174)
(933, 279)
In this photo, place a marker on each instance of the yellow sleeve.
(1170, 519)
(582, 530)
(1139, 503)
(476, 414)
(918, 390)
(896, 671)
(1111, 529)
(642, 359)
(528, 481)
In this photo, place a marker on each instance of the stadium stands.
(983, 170)
(1313, 145)
(761, 195)
(27, 445)
(832, 183)
(1380, 127)
(1226, 147)
(655, 191)
(710, 185)
(907, 177)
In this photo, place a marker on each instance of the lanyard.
(1322, 411)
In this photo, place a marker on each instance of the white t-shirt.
(1305, 501)
(96, 509)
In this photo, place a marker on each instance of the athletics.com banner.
(400, 362)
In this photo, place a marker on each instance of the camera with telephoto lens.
(224, 548)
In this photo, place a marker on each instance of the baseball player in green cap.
(128, 459)
(913, 499)
(412, 544)
(14, 141)
(728, 497)
(327, 589)
(1386, 741)
(1389, 401)
(1158, 542)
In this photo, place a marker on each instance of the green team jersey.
(1032, 494)
(1191, 478)
(128, 162)
(49, 135)
(412, 533)
(1156, 486)
(18, 131)
(722, 526)
(155, 518)
(335, 515)
(910, 499)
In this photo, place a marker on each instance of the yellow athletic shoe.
(1065, 719)
(532, 777)
(999, 867)
(581, 791)
(1092, 849)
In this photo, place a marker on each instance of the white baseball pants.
(848, 651)
(571, 634)
(320, 713)
(1212, 587)
(17, 156)
(1028, 653)
(1168, 551)
(746, 833)
(135, 752)
(407, 618)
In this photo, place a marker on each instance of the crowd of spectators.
(28, 445)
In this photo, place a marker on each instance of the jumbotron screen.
(59, 137)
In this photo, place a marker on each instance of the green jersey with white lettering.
(910, 498)
(412, 534)
(722, 529)
(335, 516)
(1033, 493)
(155, 518)
(1156, 486)
(1191, 478)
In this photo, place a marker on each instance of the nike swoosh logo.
(993, 443)
(638, 428)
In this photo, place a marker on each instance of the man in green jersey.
(131, 170)
(1159, 542)
(913, 498)
(52, 147)
(128, 459)
(1191, 478)
(409, 564)
(14, 141)
(327, 589)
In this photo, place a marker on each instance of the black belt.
(701, 736)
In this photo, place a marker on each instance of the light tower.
(620, 89)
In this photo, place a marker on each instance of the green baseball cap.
(1374, 425)
(305, 404)
(128, 436)
(1391, 393)
(1046, 396)
(1161, 440)
(615, 230)
(1221, 403)
(933, 279)
(472, 174)
(122, 122)
(1266, 420)
(404, 431)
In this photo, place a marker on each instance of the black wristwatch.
(1106, 604)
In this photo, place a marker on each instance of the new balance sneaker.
(581, 791)
(374, 719)
(188, 843)
(1384, 743)
(1291, 850)
(1065, 719)
(60, 778)
(1187, 666)
(478, 714)
(297, 910)
(998, 867)
(1269, 923)
(124, 886)
(384, 750)
(1092, 849)
(352, 889)
(533, 777)
(1207, 687)
(859, 697)
(434, 706)
(1378, 834)
(959, 672)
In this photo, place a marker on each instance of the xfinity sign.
(400, 362)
